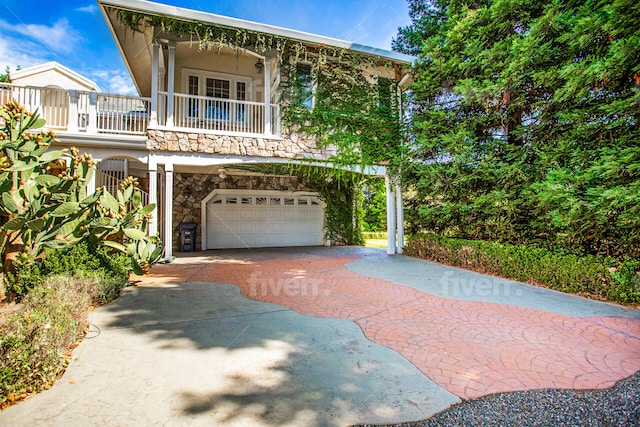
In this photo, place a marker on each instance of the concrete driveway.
(324, 337)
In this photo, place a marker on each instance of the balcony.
(195, 113)
(78, 112)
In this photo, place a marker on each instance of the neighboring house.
(52, 75)
(207, 104)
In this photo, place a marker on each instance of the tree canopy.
(525, 122)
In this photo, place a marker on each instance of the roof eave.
(153, 8)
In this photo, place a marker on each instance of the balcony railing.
(76, 111)
(216, 114)
(80, 111)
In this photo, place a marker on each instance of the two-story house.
(209, 99)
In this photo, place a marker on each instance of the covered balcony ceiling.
(136, 47)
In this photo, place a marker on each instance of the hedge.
(598, 277)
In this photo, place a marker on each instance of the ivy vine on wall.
(339, 189)
(336, 96)
(354, 110)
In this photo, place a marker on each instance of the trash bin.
(187, 236)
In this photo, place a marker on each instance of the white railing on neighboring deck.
(92, 112)
(217, 114)
(81, 111)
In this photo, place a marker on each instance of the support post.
(168, 211)
(391, 216)
(267, 96)
(72, 120)
(155, 60)
(153, 196)
(399, 216)
(92, 125)
(170, 82)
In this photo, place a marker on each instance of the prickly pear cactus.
(45, 203)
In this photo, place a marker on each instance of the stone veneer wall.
(190, 189)
(294, 146)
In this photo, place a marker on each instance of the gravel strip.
(618, 406)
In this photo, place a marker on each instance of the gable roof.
(153, 8)
(55, 66)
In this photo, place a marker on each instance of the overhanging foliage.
(526, 121)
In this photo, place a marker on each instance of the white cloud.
(92, 8)
(15, 53)
(32, 38)
(113, 81)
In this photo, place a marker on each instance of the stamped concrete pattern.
(325, 337)
(470, 348)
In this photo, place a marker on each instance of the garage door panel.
(247, 213)
(272, 221)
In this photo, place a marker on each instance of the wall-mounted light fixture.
(259, 66)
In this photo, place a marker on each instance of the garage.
(260, 219)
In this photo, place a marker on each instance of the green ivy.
(354, 112)
(339, 189)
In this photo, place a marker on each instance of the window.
(385, 95)
(304, 88)
(215, 91)
(218, 88)
(192, 89)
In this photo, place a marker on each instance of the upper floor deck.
(84, 112)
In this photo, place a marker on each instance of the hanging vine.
(339, 189)
(354, 112)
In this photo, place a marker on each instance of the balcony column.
(155, 60)
(153, 195)
(91, 182)
(92, 125)
(170, 82)
(72, 120)
(267, 96)
(168, 211)
(391, 215)
(399, 216)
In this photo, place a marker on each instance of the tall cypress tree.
(525, 118)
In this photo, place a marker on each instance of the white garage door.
(260, 219)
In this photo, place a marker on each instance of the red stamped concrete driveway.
(471, 348)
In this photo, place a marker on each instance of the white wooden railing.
(80, 111)
(217, 114)
(91, 112)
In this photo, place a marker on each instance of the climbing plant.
(353, 110)
(339, 189)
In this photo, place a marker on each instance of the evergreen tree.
(525, 116)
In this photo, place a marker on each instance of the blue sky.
(74, 32)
